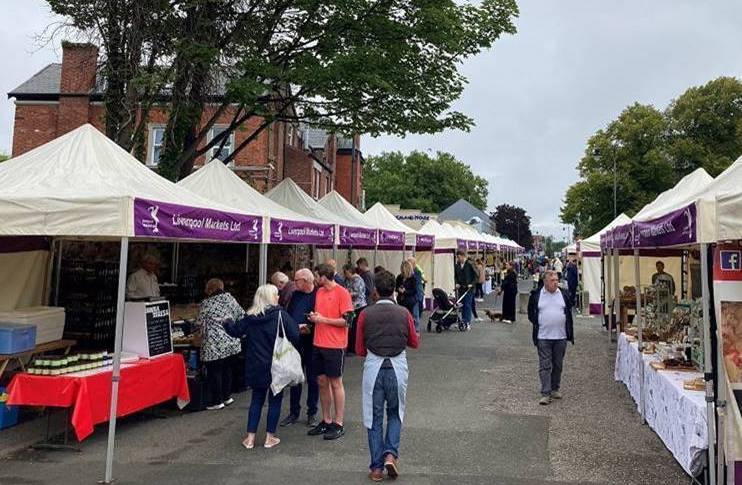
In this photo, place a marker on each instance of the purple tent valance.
(622, 236)
(424, 241)
(357, 236)
(293, 232)
(161, 219)
(391, 239)
(674, 229)
(472, 245)
(461, 244)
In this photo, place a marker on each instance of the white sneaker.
(215, 407)
(229, 401)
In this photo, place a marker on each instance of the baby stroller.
(446, 312)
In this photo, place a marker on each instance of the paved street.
(472, 418)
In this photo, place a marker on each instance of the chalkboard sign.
(159, 337)
(147, 328)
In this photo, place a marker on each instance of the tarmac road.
(472, 418)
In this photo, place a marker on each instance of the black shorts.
(328, 362)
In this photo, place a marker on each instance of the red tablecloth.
(143, 384)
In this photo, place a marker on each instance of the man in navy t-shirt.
(300, 306)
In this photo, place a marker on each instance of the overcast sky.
(536, 96)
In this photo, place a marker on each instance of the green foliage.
(4, 157)
(514, 223)
(652, 150)
(353, 66)
(551, 246)
(419, 181)
(705, 126)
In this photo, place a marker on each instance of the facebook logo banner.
(730, 260)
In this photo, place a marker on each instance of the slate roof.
(315, 138)
(462, 210)
(45, 85)
(46, 81)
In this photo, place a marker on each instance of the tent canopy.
(385, 220)
(336, 203)
(592, 243)
(289, 194)
(443, 240)
(82, 184)
(217, 182)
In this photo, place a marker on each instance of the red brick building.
(61, 97)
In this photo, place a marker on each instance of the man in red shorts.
(332, 306)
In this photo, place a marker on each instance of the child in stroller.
(446, 312)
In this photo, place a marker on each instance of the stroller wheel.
(438, 329)
(462, 326)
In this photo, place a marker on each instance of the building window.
(316, 178)
(156, 142)
(228, 145)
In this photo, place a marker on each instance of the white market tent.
(83, 185)
(443, 258)
(289, 194)
(683, 217)
(591, 257)
(380, 216)
(390, 244)
(216, 182)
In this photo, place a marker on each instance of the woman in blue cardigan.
(259, 330)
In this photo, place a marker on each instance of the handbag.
(286, 367)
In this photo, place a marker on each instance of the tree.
(551, 246)
(705, 127)
(351, 66)
(419, 181)
(635, 145)
(514, 223)
(653, 150)
(4, 157)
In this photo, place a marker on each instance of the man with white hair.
(550, 312)
(299, 307)
(285, 288)
(142, 284)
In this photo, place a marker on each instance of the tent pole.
(263, 273)
(616, 292)
(707, 364)
(116, 372)
(639, 326)
(376, 253)
(608, 291)
(49, 272)
(58, 275)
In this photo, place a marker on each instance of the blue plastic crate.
(8, 414)
(16, 337)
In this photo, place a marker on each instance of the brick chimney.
(79, 67)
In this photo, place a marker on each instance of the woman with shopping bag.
(271, 360)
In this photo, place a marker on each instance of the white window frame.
(151, 143)
(213, 149)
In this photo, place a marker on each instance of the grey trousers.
(550, 358)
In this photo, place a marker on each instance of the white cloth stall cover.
(591, 283)
(23, 275)
(444, 271)
(425, 262)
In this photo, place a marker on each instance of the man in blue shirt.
(299, 307)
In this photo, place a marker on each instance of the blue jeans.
(256, 409)
(385, 389)
(416, 316)
(467, 307)
(305, 349)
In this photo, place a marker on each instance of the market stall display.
(676, 414)
(144, 384)
(86, 186)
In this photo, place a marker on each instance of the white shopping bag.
(286, 365)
